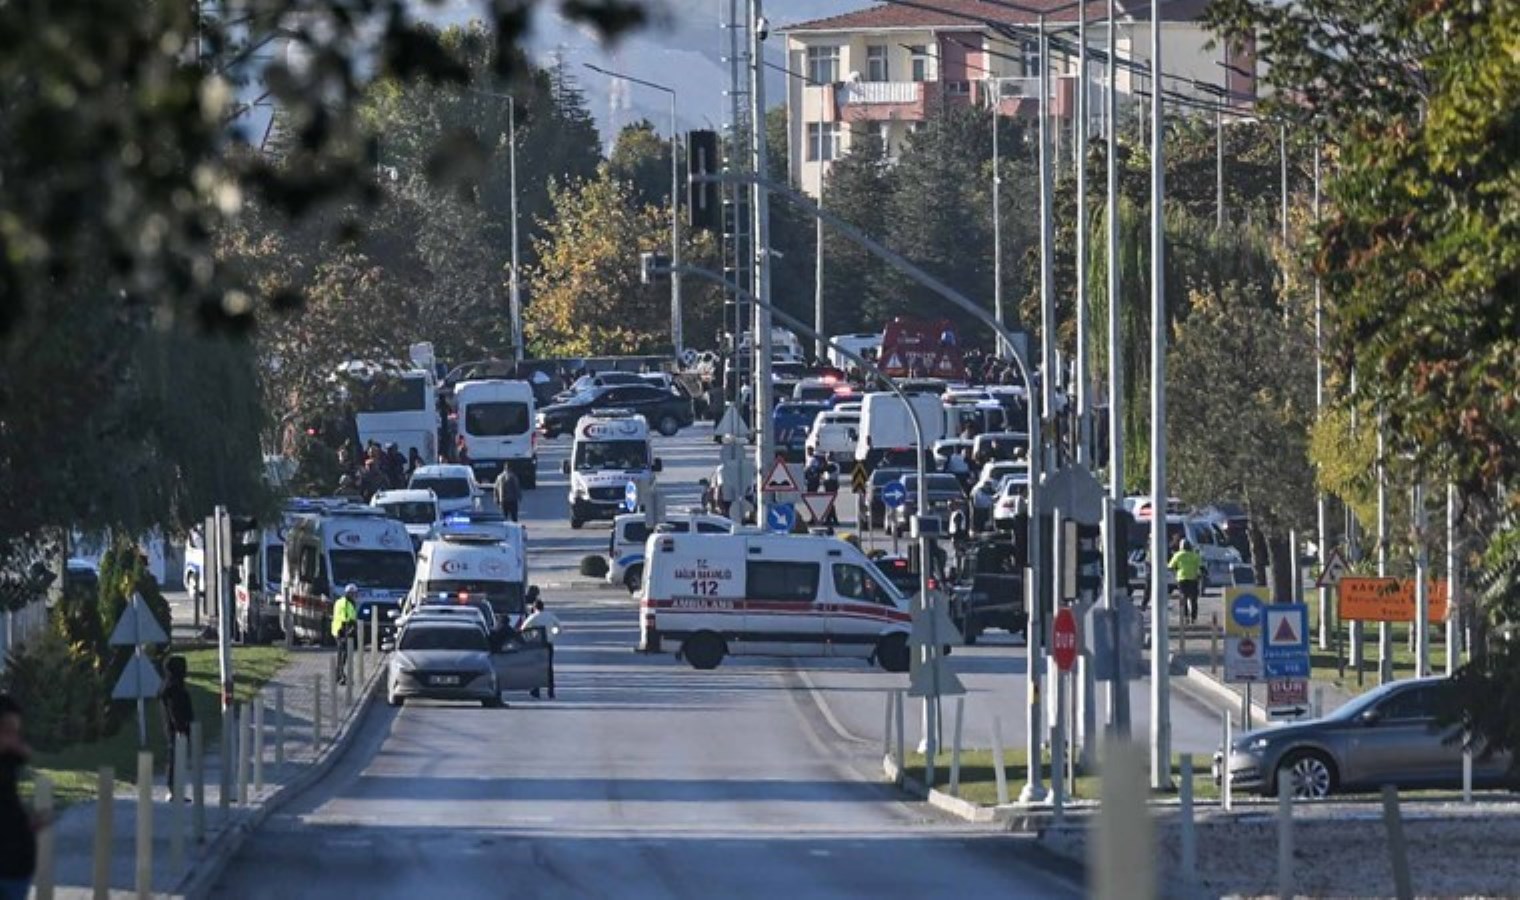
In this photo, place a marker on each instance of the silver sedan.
(1390, 735)
(442, 660)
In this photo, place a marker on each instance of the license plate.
(441, 680)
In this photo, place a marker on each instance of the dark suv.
(665, 410)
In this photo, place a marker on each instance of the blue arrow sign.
(1247, 609)
(780, 518)
(631, 496)
(893, 494)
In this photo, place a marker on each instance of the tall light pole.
(1083, 392)
(517, 329)
(760, 339)
(1453, 582)
(1161, 720)
(1115, 565)
(997, 211)
(1320, 511)
(676, 338)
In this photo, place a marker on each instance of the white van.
(338, 546)
(454, 486)
(611, 449)
(630, 532)
(866, 344)
(460, 565)
(707, 596)
(416, 509)
(885, 425)
(495, 418)
(982, 415)
(834, 432)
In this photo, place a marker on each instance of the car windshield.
(504, 596)
(499, 419)
(444, 487)
(882, 476)
(595, 455)
(412, 512)
(937, 484)
(443, 639)
(390, 569)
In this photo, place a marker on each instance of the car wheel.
(892, 653)
(633, 579)
(704, 651)
(576, 523)
(1311, 775)
(492, 702)
(669, 426)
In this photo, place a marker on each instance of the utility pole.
(1319, 405)
(997, 211)
(760, 338)
(1037, 577)
(820, 346)
(1116, 565)
(517, 327)
(1385, 632)
(1079, 149)
(1421, 583)
(1161, 718)
(1453, 580)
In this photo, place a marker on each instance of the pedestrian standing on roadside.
(1188, 565)
(18, 825)
(508, 493)
(549, 622)
(174, 696)
(345, 621)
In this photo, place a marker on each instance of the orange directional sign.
(1387, 600)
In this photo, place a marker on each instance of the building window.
(823, 65)
(876, 63)
(1029, 55)
(822, 141)
(919, 54)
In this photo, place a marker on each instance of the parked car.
(665, 410)
(1010, 501)
(453, 486)
(1389, 735)
(945, 496)
(984, 491)
(791, 422)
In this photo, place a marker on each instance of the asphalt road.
(645, 777)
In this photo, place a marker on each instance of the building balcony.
(881, 101)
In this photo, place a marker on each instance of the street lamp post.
(517, 329)
(1161, 694)
(677, 339)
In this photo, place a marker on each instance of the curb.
(203, 875)
(1222, 693)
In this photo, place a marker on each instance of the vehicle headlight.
(1257, 744)
(404, 663)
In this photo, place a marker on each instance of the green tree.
(641, 158)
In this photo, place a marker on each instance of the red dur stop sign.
(1063, 643)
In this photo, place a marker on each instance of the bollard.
(1225, 790)
(229, 748)
(198, 766)
(105, 808)
(997, 761)
(1214, 642)
(316, 712)
(144, 825)
(1319, 703)
(177, 805)
(1398, 850)
(374, 630)
(1122, 853)
(1187, 837)
(955, 748)
(332, 694)
(886, 729)
(357, 656)
(42, 801)
(244, 724)
(1284, 837)
(279, 728)
(902, 751)
(258, 745)
(1467, 775)
(348, 690)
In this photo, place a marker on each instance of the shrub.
(63, 693)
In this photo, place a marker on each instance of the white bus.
(398, 408)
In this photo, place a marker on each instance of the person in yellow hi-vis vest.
(1188, 564)
(345, 621)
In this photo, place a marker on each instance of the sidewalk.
(74, 831)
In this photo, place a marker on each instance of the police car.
(630, 531)
(708, 596)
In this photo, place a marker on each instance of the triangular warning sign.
(1335, 570)
(139, 680)
(818, 506)
(137, 626)
(1285, 633)
(780, 478)
(945, 365)
(894, 362)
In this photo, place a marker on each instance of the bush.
(594, 566)
(63, 693)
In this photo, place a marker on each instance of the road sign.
(1387, 600)
(818, 507)
(859, 479)
(1287, 698)
(780, 479)
(893, 494)
(137, 626)
(1243, 609)
(631, 496)
(138, 681)
(1101, 641)
(1285, 636)
(730, 424)
(1063, 641)
(781, 518)
(1242, 660)
(1335, 569)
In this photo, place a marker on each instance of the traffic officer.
(1188, 564)
(345, 621)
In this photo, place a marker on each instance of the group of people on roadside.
(379, 469)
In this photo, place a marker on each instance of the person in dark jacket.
(18, 825)
(174, 696)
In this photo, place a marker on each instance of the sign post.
(780, 518)
(139, 680)
(1063, 644)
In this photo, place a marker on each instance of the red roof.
(971, 14)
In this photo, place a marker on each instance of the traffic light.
(705, 204)
(1089, 541)
(245, 536)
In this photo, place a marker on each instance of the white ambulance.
(611, 449)
(465, 565)
(707, 596)
(338, 546)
